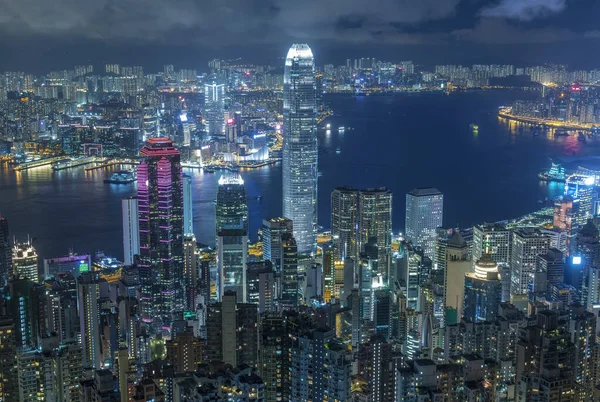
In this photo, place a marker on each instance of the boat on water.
(61, 163)
(341, 129)
(208, 169)
(581, 137)
(122, 177)
(561, 133)
(555, 173)
(338, 150)
(328, 126)
(473, 126)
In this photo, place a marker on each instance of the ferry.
(328, 126)
(121, 177)
(555, 173)
(338, 150)
(474, 126)
(341, 129)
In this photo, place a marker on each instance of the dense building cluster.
(494, 312)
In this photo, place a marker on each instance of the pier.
(113, 162)
(42, 162)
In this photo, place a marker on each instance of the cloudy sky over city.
(204, 27)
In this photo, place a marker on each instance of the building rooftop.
(424, 191)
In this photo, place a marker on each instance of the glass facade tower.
(160, 208)
(300, 146)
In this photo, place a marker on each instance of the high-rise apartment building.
(424, 214)
(290, 293)
(300, 154)
(5, 252)
(160, 207)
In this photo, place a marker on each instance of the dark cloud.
(525, 10)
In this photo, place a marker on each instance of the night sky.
(41, 35)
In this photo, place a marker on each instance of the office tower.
(375, 221)
(273, 334)
(188, 215)
(232, 207)
(9, 391)
(483, 291)
(272, 231)
(73, 263)
(457, 265)
(232, 330)
(214, 106)
(441, 240)
(5, 252)
(553, 264)
(413, 262)
(25, 261)
(185, 351)
(232, 246)
(382, 312)
(497, 237)
(260, 279)
(300, 156)
(290, 295)
(190, 270)
(160, 205)
(89, 291)
(23, 307)
(424, 213)
(344, 216)
(313, 285)
(378, 364)
(527, 245)
(586, 250)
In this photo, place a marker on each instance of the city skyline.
(222, 185)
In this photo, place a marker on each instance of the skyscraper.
(272, 231)
(188, 215)
(375, 222)
(232, 245)
(424, 213)
(300, 155)
(160, 204)
(214, 106)
(483, 291)
(25, 261)
(527, 245)
(289, 271)
(344, 211)
(232, 207)
(497, 237)
(131, 229)
(5, 252)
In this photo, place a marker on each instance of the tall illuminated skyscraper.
(5, 251)
(131, 229)
(375, 222)
(160, 204)
(188, 215)
(232, 206)
(424, 213)
(344, 211)
(25, 261)
(214, 106)
(300, 155)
